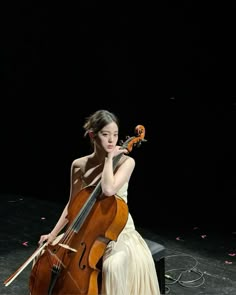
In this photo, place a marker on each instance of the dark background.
(169, 67)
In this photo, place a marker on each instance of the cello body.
(71, 265)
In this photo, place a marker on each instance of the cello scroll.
(134, 140)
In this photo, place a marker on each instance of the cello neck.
(116, 161)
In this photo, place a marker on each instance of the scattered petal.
(203, 236)
(25, 244)
(232, 254)
(42, 218)
(228, 262)
(179, 239)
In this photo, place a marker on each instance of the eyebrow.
(105, 130)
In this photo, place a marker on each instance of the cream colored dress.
(128, 266)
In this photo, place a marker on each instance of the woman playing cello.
(127, 264)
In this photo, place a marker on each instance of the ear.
(91, 134)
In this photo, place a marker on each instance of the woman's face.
(107, 137)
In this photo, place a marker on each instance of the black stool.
(158, 254)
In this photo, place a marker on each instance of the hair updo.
(96, 121)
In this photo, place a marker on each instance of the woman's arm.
(112, 181)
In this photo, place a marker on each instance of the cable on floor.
(190, 278)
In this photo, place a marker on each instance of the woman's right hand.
(48, 238)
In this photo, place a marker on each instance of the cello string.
(81, 216)
(79, 220)
(83, 213)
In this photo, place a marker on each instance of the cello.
(70, 265)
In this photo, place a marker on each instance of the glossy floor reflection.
(200, 259)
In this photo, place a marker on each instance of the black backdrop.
(169, 68)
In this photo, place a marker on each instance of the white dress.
(128, 266)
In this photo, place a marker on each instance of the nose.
(111, 138)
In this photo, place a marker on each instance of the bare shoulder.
(78, 166)
(79, 162)
(128, 160)
(125, 168)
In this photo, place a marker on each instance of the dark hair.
(96, 121)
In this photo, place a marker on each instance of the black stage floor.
(199, 259)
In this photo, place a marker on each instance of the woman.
(127, 267)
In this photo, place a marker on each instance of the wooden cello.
(71, 266)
